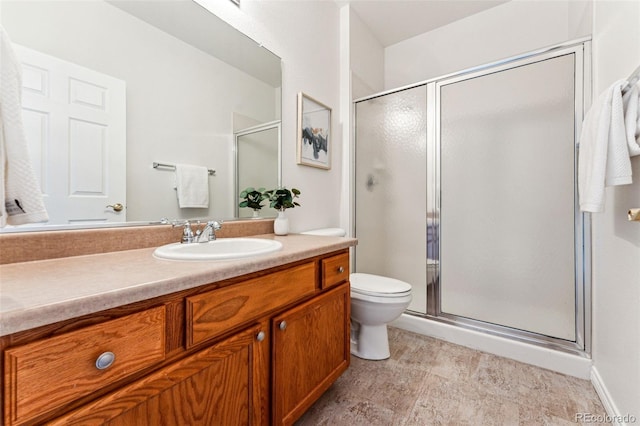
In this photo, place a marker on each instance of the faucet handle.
(216, 225)
(187, 233)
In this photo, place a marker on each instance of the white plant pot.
(281, 224)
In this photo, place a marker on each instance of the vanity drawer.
(218, 311)
(49, 373)
(335, 270)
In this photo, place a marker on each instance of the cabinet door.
(217, 386)
(310, 351)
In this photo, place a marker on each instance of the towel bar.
(173, 167)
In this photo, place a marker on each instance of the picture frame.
(314, 132)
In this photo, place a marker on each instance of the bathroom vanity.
(120, 337)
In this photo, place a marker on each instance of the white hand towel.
(192, 184)
(631, 101)
(604, 155)
(20, 195)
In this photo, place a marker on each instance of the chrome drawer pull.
(340, 269)
(260, 336)
(105, 360)
(283, 325)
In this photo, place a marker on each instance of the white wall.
(506, 30)
(176, 111)
(366, 59)
(616, 242)
(305, 34)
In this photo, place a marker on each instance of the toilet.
(375, 302)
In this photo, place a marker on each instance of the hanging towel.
(631, 105)
(604, 155)
(192, 184)
(20, 194)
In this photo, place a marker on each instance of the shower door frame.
(582, 225)
(582, 221)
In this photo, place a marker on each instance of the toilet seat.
(378, 286)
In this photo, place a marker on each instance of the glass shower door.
(390, 189)
(507, 206)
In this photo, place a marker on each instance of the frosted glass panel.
(391, 189)
(257, 163)
(507, 198)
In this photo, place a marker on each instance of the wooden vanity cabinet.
(310, 351)
(252, 351)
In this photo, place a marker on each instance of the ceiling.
(392, 21)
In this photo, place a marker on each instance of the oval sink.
(221, 249)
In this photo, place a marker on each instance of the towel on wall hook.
(605, 151)
(21, 199)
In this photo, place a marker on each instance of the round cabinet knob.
(117, 207)
(283, 325)
(105, 360)
(260, 336)
(340, 269)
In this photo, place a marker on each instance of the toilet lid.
(378, 285)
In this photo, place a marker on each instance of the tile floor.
(431, 382)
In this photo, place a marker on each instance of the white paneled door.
(75, 123)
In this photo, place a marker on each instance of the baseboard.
(561, 362)
(613, 413)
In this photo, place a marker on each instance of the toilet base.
(372, 342)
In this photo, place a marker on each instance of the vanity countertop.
(43, 292)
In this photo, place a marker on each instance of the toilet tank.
(327, 232)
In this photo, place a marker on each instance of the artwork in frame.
(314, 132)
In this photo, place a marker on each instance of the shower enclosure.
(465, 187)
(257, 163)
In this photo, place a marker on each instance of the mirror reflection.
(257, 160)
(110, 87)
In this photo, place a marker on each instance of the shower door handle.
(371, 182)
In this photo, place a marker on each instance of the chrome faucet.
(208, 233)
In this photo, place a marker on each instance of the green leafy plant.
(252, 198)
(282, 199)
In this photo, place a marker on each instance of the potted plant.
(282, 199)
(253, 199)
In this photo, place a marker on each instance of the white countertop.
(43, 292)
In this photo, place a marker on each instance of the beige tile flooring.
(431, 382)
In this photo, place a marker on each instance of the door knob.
(283, 325)
(117, 207)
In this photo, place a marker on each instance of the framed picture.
(314, 132)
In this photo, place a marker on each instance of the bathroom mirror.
(177, 82)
